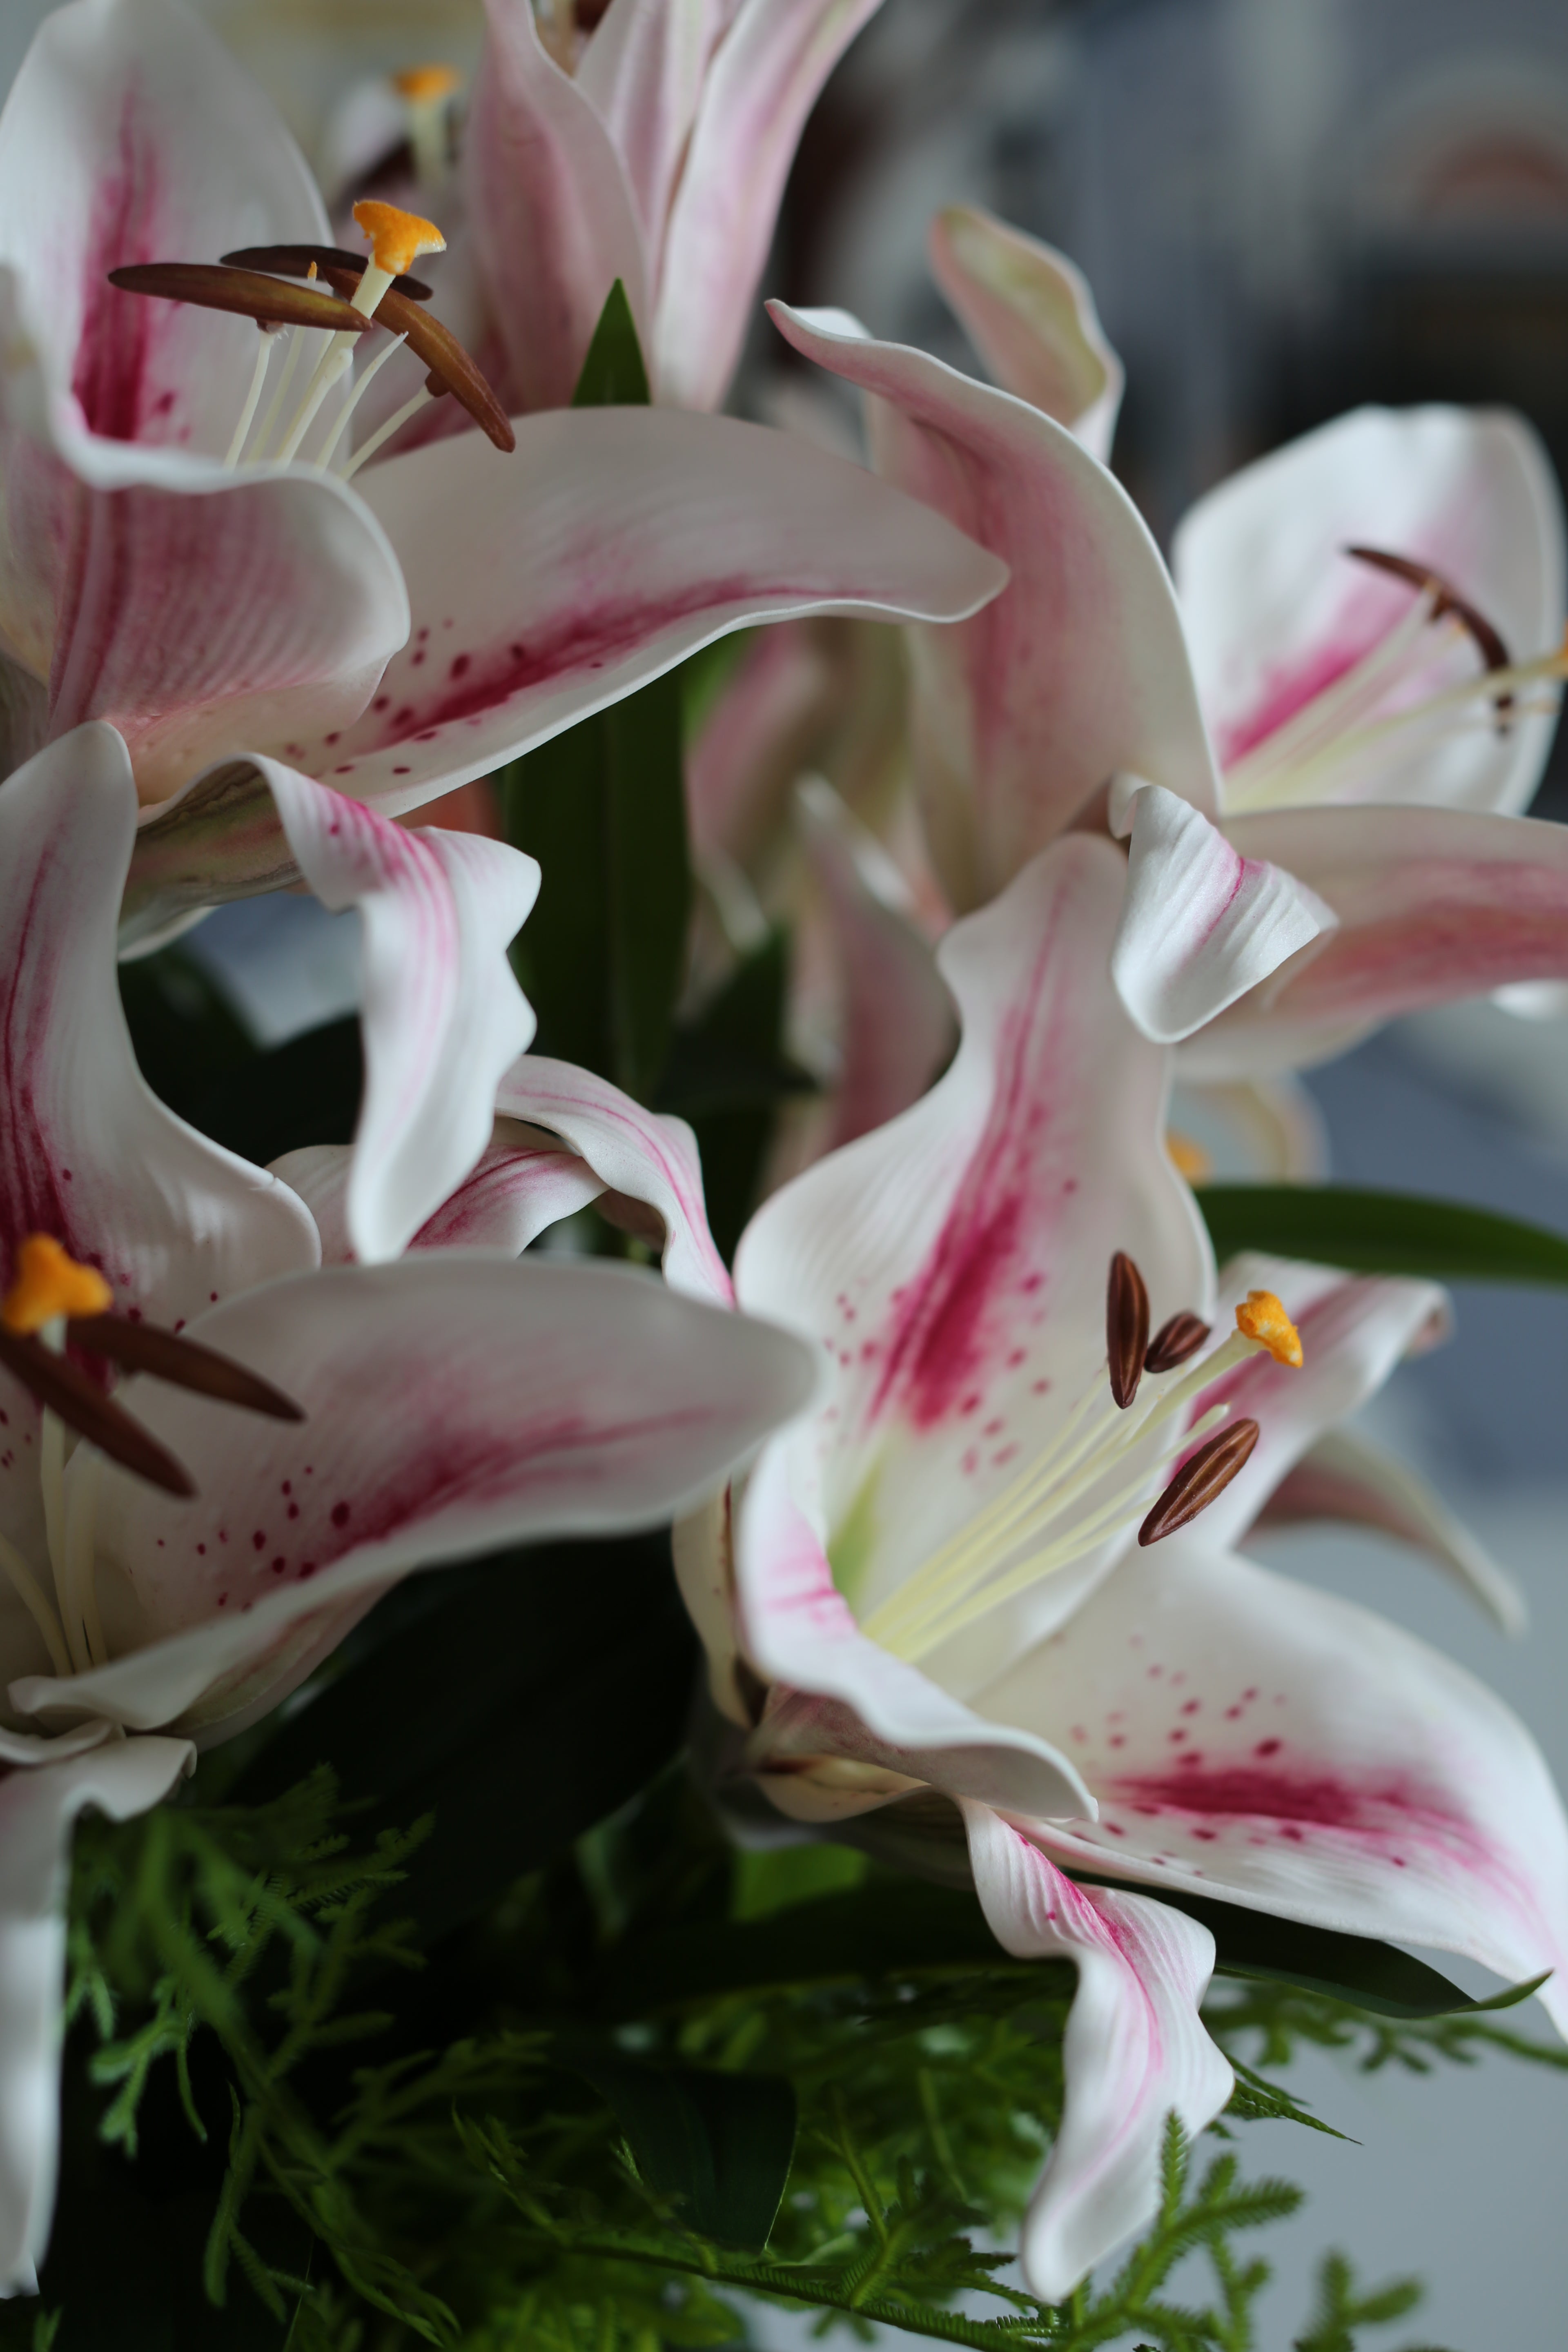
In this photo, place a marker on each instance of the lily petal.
(1276, 612)
(1077, 670)
(848, 1726)
(644, 1155)
(1135, 2050)
(1251, 1738)
(87, 1151)
(519, 1188)
(1342, 1477)
(442, 1016)
(1030, 315)
(612, 543)
(951, 1266)
(1431, 903)
(455, 1402)
(642, 71)
(37, 1811)
(1202, 924)
(553, 218)
(762, 83)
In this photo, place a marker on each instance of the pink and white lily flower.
(188, 558)
(654, 149)
(938, 1585)
(1354, 850)
(405, 1416)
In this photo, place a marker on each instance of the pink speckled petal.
(748, 751)
(1202, 924)
(1250, 1739)
(1135, 2050)
(1354, 1331)
(441, 1015)
(642, 1154)
(1276, 612)
(1031, 317)
(1343, 1477)
(455, 1402)
(642, 71)
(38, 1809)
(896, 1024)
(86, 1152)
(952, 1266)
(552, 215)
(839, 1700)
(519, 1188)
(761, 85)
(1432, 904)
(610, 544)
(1079, 669)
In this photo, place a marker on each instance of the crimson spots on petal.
(341, 1515)
(1267, 1748)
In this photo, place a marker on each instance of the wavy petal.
(1251, 1738)
(640, 1154)
(761, 87)
(1135, 2050)
(849, 1727)
(520, 1186)
(455, 1402)
(1276, 612)
(642, 71)
(609, 545)
(553, 218)
(1077, 670)
(1202, 924)
(1343, 1478)
(951, 1267)
(86, 1152)
(1030, 315)
(442, 1016)
(1431, 903)
(37, 1811)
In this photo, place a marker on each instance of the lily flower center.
(1093, 1480)
(55, 1301)
(344, 293)
(1408, 691)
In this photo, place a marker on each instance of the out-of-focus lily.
(182, 554)
(995, 1564)
(1368, 625)
(293, 1439)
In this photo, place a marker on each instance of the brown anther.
(294, 260)
(1447, 600)
(183, 1363)
(1200, 1481)
(444, 356)
(85, 1409)
(1175, 1342)
(1126, 1327)
(271, 301)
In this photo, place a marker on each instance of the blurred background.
(1285, 207)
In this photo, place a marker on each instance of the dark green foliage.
(1382, 1233)
(615, 375)
(728, 1072)
(1342, 2308)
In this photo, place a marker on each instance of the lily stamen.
(979, 1569)
(427, 92)
(1303, 759)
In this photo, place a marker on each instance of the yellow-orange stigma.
(422, 85)
(397, 238)
(49, 1284)
(1261, 1317)
(1189, 1159)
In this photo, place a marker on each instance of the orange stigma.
(47, 1284)
(397, 238)
(423, 85)
(1262, 1317)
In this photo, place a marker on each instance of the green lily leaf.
(722, 2143)
(519, 1701)
(615, 375)
(727, 1073)
(186, 1036)
(1382, 1233)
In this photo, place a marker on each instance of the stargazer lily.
(995, 1564)
(185, 556)
(1367, 627)
(293, 1439)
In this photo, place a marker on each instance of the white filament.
(246, 414)
(360, 388)
(384, 433)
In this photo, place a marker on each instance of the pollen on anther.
(1261, 1317)
(397, 238)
